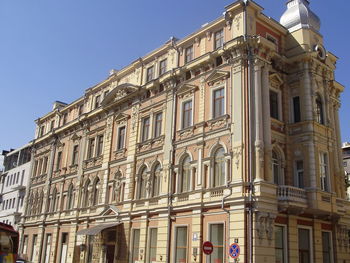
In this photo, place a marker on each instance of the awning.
(96, 229)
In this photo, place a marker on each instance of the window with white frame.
(150, 73)
(219, 168)
(277, 168)
(162, 67)
(274, 104)
(152, 254)
(217, 238)
(218, 102)
(305, 245)
(219, 39)
(299, 173)
(181, 244)
(158, 124)
(145, 129)
(187, 114)
(135, 245)
(324, 172)
(121, 138)
(188, 54)
(280, 244)
(327, 247)
(185, 175)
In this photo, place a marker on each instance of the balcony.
(291, 198)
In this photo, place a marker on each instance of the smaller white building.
(13, 183)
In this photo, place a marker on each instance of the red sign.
(208, 247)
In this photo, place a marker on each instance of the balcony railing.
(291, 194)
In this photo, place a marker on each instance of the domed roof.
(298, 15)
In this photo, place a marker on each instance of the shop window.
(280, 244)
(181, 244)
(135, 245)
(217, 239)
(152, 256)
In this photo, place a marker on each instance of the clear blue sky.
(55, 49)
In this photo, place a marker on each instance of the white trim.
(131, 252)
(117, 136)
(148, 247)
(310, 228)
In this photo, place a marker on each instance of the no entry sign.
(207, 247)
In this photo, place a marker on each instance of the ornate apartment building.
(228, 135)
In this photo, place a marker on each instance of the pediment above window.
(120, 118)
(119, 93)
(216, 76)
(111, 210)
(185, 89)
(275, 80)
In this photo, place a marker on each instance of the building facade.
(228, 135)
(346, 164)
(13, 184)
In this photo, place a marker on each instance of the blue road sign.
(234, 250)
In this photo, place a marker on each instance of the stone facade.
(230, 135)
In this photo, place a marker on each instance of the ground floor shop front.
(178, 238)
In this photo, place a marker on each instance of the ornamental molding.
(216, 76)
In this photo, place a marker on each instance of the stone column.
(259, 143)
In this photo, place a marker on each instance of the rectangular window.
(97, 101)
(121, 138)
(25, 245)
(274, 104)
(48, 248)
(81, 109)
(324, 172)
(13, 202)
(65, 117)
(34, 247)
(296, 109)
(327, 247)
(158, 124)
(181, 245)
(52, 125)
(187, 114)
(304, 245)
(299, 173)
(105, 93)
(162, 67)
(64, 247)
(188, 54)
(218, 102)
(99, 145)
(42, 130)
(91, 148)
(75, 154)
(150, 73)
(280, 246)
(58, 161)
(44, 166)
(145, 129)
(153, 245)
(135, 245)
(219, 39)
(217, 239)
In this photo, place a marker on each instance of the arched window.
(319, 110)
(86, 194)
(70, 197)
(277, 168)
(96, 192)
(143, 184)
(219, 168)
(186, 175)
(156, 180)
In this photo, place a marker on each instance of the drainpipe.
(249, 208)
(227, 211)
